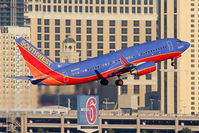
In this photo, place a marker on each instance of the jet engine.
(143, 68)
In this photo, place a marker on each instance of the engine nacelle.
(143, 69)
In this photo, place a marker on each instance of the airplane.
(136, 60)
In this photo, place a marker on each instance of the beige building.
(189, 77)
(13, 93)
(98, 27)
(179, 85)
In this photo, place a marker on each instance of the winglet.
(125, 62)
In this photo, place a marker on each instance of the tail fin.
(38, 63)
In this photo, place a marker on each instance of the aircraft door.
(170, 45)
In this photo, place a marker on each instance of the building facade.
(12, 13)
(13, 93)
(98, 27)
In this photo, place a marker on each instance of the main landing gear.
(118, 82)
(104, 82)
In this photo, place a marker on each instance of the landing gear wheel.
(173, 64)
(104, 82)
(119, 82)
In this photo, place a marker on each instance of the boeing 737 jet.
(137, 60)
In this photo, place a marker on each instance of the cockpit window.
(179, 41)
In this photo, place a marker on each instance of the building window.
(99, 30)
(111, 30)
(46, 21)
(38, 29)
(91, 9)
(126, 9)
(59, 8)
(124, 38)
(148, 88)
(136, 89)
(111, 38)
(29, 7)
(89, 46)
(151, 2)
(39, 37)
(138, 9)
(39, 45)
(57, 52)
(99, 45)
(150, 9)
(145, 2)
(124, 45)
(57, 22)
(55, 8)
(57, 30)
(46, 44)
(46, 52)
(124, 30)
(145, 10)
(148, 76)
(148, 38)
(99, 22)
(78, 45)
(70, 9)
(57, 37)
(114, 9)
(46, 37)
(89, 53)
(121, 10)
(89, 38)
(57, 45)
(78, 22)
(148, 23)
(139, 2)
(67, 29)
(112, 46)
(78, 37)
(148, 30)
(78, 30)
(97, 9)
(109, 9)
(136, 31)
(49, 9)
(133, 10)
(65, 8)
(124, 89)
(99, 38)
(67, 22)
(99, 53)
(136, 23)
(89, 31)
(46, 29)
(36, 8)
(44, 8)
(136, 38)
(89, 23)
(39, 21)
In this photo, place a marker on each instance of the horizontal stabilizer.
(20, 77)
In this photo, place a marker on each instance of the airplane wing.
(124, 68)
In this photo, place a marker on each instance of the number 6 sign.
(91, 111)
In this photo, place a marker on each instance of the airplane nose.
(186, 44)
